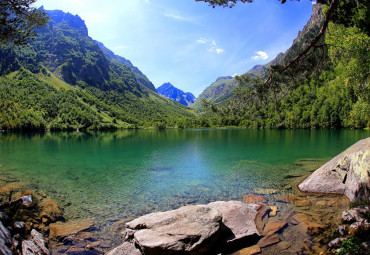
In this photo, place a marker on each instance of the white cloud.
(211, 45)
(177, 17)
(219, 51)
(260, 55)
(235, 75)
(202, 41)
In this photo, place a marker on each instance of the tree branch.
(332, 7)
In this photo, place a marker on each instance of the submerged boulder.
(348, 173)
(60, 230)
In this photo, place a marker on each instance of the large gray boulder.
(348, 173)
(239, 219)
(189, 229)
(199, 229)
(127, 248)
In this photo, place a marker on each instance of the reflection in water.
(112, 175)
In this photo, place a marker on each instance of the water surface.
(112, 175)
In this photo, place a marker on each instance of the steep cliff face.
(177, 95)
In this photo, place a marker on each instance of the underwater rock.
(268, 240)
(302, 202)
(253, 199)
(61, 230)
(348, 173)
(286, 198)
(50, 210)
(255, 249)
(265, 191)
(283, 246)
(262, 217)
(11, 187)
(274, 226)
(274, 211)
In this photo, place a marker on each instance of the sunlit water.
(108, 176)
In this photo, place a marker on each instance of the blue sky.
(189, 43)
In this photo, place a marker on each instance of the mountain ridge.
(175, 94)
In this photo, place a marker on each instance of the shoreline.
(286, 205)
(312, 218)
(12, 131)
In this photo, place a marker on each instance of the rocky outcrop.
(36, 245)
(348, 173)
(239, 219)
(356, 224)
(191, 229)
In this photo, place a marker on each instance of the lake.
(108, 176)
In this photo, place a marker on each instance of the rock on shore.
(190, 229)
(348, 173)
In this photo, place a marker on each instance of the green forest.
(64, 80)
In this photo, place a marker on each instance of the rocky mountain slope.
(66, 80)
(175, 94)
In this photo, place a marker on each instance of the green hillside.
(64, 80)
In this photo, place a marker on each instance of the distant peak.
(254, 68)
(74, 21)
(166, 85)
(171, 92)
(224, 78)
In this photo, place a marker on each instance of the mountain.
(175, 94)
(222, 89)
(65, 80)
(140, 77)
(223, 85)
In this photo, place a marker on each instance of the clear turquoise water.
(111, 175)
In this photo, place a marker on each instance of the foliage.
(350, 48)
(19, 21)
(327, 88)
(224, 3)
(63, 80)
(350, 246)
